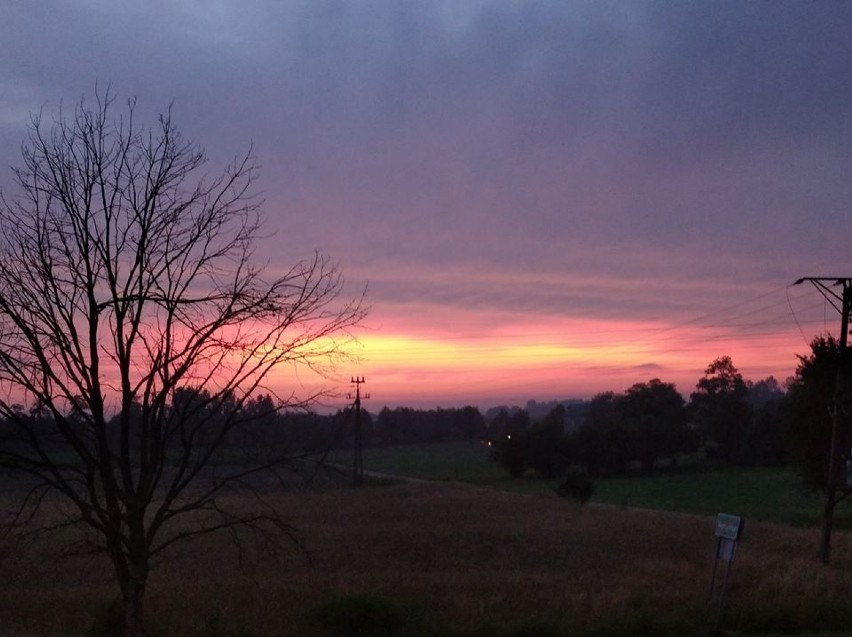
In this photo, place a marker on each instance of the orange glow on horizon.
(424, 354)
(558, 360)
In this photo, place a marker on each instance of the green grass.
(447, 462)
(770, 494)
(444, 461)
(466, 462)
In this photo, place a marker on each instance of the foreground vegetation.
(445, 559)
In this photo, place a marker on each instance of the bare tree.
(135, 325)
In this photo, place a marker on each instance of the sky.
(543, 199)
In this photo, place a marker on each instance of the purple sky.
(494, 166)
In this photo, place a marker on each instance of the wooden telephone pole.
(358, 447)
(835, 486)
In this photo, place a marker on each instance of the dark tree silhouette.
(645, 423)
(603, 439)
(507, 440)
(135, 325)
(720, 408)
(764, 440)
(405, 425)
(811, 394)
(819, 399)
(547, 450)
(655, 416)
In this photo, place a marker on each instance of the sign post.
(729, 529)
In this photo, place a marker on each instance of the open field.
(448, 559)
(769, 494)
(442, 461)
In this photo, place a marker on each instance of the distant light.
(509, 436)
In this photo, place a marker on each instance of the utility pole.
(835, 487)
(358, 459)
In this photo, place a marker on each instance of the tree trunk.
(827, 523)
(133, 577)
(134, 597)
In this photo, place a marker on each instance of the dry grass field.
(447, 559)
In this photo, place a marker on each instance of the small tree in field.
(134, 327)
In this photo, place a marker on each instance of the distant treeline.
(726, 419)
(614, 423)
(312, 433)
(196, 419)
(649, 425)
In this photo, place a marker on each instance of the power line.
(781, 318)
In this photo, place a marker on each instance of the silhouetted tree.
(604, 440)
(468, 423)
(546, 450)
(764, 439)
(404, 425)
(645, 423)
(719, 407)
(127, 281)
(507, 438)
(515, 421)
(764, 391)
(655, 416)
(811, 401)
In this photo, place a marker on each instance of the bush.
(577, 484)
(107, 620)
(369, 616)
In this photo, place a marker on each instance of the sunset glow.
(539, 200)
(564, 359)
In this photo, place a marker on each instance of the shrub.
(577, 484)
(107, 620)
(369, 616)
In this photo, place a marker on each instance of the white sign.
(729, 527)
